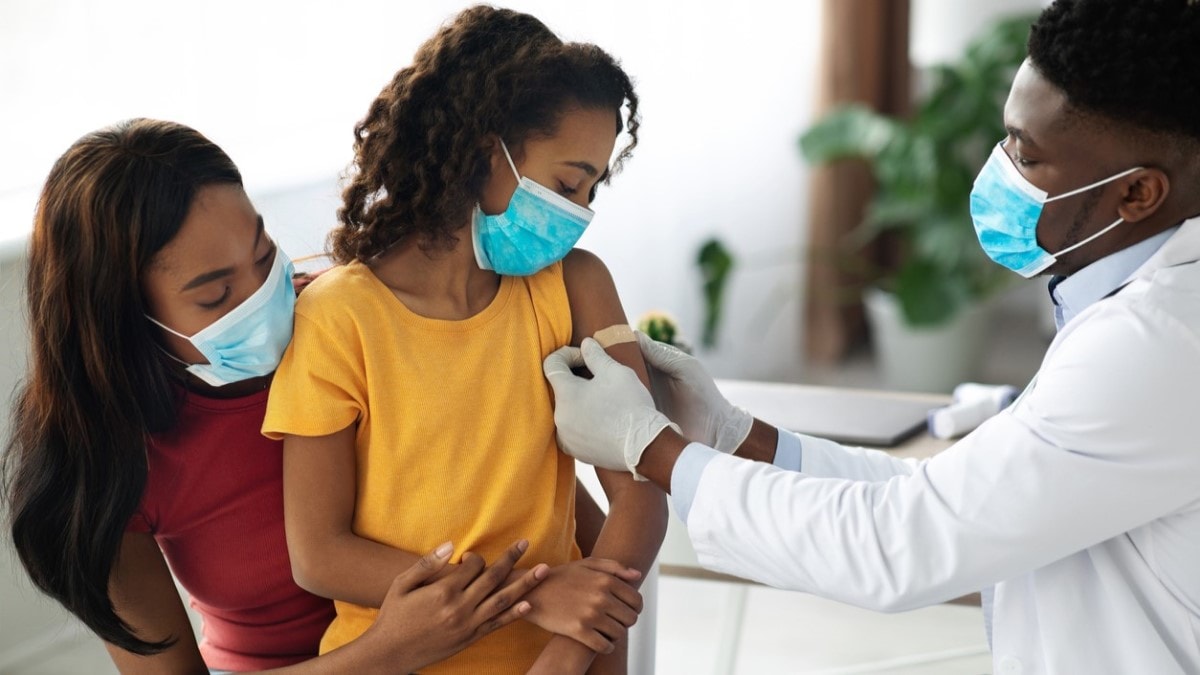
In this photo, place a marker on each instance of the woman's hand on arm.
(432, 612)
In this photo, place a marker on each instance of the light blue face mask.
(1006, 208)
(539, 228)
(250, 340)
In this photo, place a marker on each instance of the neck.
(441, 283)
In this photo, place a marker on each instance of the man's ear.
(1145, 191)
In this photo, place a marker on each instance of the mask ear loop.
(510, 162)
(1097, 184)
(1077, 244)
(1085, 188)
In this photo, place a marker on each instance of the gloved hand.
(686, 394)
(606, 421)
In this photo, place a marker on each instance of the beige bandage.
(615, 335)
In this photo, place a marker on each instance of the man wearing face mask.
(1077, 510)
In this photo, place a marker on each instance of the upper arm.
(595, 306)
(144, 595)
(319, 489)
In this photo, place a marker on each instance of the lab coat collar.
(1183, 247)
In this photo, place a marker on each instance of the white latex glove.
(606, 421)
(686, 394)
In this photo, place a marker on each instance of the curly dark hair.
(421, 155)
(1136, 63)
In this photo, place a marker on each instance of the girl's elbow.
(307, 570)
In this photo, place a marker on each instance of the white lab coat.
(1081, 503)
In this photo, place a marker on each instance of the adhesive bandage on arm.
(614, 335)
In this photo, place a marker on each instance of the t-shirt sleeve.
(319, 387)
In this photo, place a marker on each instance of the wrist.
(658, 460)
(375, 655)
(563, 655)
(760, 444)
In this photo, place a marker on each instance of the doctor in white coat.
(1077, 510)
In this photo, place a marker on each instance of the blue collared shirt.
(1073, 294)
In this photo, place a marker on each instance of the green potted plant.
(924, 167)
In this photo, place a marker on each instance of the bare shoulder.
(582, 268)
(591, 293)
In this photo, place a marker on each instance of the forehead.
(1036, 106)
(213, 234)
(589, 133)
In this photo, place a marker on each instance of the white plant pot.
(925, 359)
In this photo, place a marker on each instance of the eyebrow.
(208, 277)
(1020, 135)
(590, 170)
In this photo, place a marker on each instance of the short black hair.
(1131, 62)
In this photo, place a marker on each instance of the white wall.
(941, 29)
(724, 87)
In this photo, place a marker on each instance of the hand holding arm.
(606, 421)
(687, 395)
(423, 621)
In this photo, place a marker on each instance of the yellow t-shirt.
(455, 437)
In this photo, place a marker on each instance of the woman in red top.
(135, 448)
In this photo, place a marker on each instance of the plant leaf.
(847, 132)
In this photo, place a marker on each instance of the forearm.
(350, 568)
(636, 523)
(562, 655)
(365, 655)
(589, 519)
(631, 535)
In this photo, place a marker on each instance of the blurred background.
(779, 261)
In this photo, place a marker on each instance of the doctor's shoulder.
(1128, 367)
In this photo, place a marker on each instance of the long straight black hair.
(75, 467)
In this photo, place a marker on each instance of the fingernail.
(444, 550)
(540, 572)
(523, 607)
(522, 545)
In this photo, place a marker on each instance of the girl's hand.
(423, 621)
(589, 601)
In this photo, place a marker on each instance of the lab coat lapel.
(1183, 247)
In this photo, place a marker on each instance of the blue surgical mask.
(1006, 208)
(539, 228)
(250, 340)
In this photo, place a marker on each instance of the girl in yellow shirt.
(411, 401)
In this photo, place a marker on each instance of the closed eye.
(216, 303)
(269, 256)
